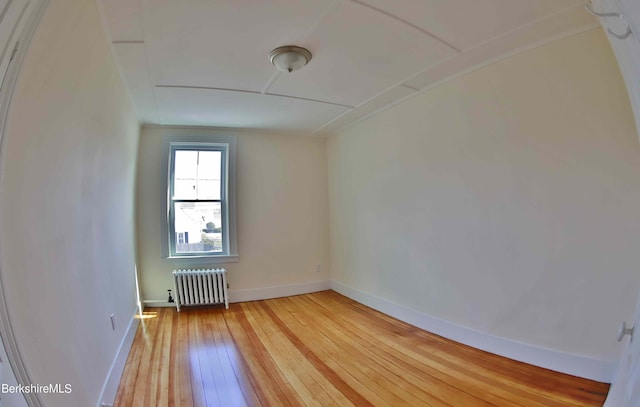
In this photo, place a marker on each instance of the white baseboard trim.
(158, 303)
(254, 294)
(264, 293)
(576, 365)
(110, 387)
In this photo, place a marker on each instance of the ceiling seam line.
(496, 38)
(320, 19)
(147, 65)
(415, 27)
(270, 82)
(522, 27)
(318, 130)
(254, 93)
(312, 100)
(460, 74)
(409, 87)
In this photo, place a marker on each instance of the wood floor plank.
(433, 366)
(127, 389)
(323, 349)
(509, 367)
(454, 364)
(431, 391)
(402, 390)
(143, 383)
(200, 366)
(172, 390)
(300, 373)
(218, 365)
(269, 377)
(162, 393)
(235, 366)
(343, 391)
(183, 389)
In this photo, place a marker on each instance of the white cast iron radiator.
(200, 287)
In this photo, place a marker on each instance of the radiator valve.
(170, 297)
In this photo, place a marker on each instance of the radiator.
(200, 287)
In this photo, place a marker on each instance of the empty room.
(319, 203)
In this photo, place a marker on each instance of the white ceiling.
(205, 62)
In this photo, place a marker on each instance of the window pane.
(197, 174)
(200, 224)
(209, 169)
(185, 174)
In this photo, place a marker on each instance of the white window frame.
(226, 144)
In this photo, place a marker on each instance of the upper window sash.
(222, 148)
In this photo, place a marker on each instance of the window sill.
(185, 261)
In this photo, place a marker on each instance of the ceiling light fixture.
(289, 58)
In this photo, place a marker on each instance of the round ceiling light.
(289, 58)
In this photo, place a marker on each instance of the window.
(183, 237)
(199, 205)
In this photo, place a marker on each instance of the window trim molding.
(223, 148)
(175, 138)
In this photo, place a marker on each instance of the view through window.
(197, 202)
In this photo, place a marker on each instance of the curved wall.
(66, 205)
(505, 201)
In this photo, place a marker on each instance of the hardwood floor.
(323, 349)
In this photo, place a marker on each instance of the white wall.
(282, 213)
(506, 201)
(67, 205)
